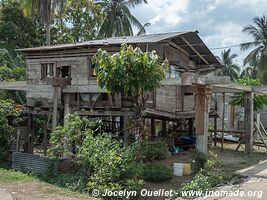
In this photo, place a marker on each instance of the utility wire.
(226, 47)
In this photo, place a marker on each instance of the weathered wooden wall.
(83, 84)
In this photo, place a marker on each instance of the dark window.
(104, 97)
(92, 72)
(47, 70)
(63, 72)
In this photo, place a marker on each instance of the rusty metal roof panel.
(151, 38)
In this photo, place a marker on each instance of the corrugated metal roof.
(151, 38)
(191, 36)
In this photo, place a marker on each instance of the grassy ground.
(24, 186)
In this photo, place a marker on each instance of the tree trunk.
(48, 24)
(47, 33)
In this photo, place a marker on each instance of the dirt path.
(36, 190)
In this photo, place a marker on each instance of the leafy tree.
(15, 30)
(130, 72)
(228, 67)
(42, 10)
(78, 21)
(9, 118)
(118, 20)
(64, 141)
(259, 101)
(258, 56)
(12, 69)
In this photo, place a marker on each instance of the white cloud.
(226, 35)
(163, 14)
(220, 22)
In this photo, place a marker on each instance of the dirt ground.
(232, 161)
(36, 190)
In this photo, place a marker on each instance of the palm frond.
(143, 30)
(134, 3)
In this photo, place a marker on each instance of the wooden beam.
(215, 121)
(16, 85)
(164, 128)
(66, 104)
(178, 48)
(248, 120)
(55, 96)
(223, 118)
(153, 131)
(45, 134)
(193, 48)
(104, 113)
(202, 104)
(191, 126)
(125, 128)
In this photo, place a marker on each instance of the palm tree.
(118, 19)
(258, 56)
(42, 10)
(143, 30)
(249, 71)
(228, 67)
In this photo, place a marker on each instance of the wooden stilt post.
(153, 132)
(215, 121)
(32, 137)
(78, 101)
(54, 121)
(66, 105)
(202, 104)
(223, 118)
(248, 121)
(232, 117)
(191, 127)
(125, 130)
(164, 128)
(45, 133)
(29, 132)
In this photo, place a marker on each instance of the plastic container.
(187, 169)
(178, 169)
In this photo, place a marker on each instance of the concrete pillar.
(202, 105)
(248, 120)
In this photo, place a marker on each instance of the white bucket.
(178, 169)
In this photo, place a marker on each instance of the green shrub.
(208, 177)
(105, 160)
(200, 160)
(9, 118)
(200, 182)
(135, 169)
(156, 172)
(72, 180)
(65, 141)
(154, 150)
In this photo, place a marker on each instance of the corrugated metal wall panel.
(34, 163)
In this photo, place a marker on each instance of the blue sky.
(219, 22)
